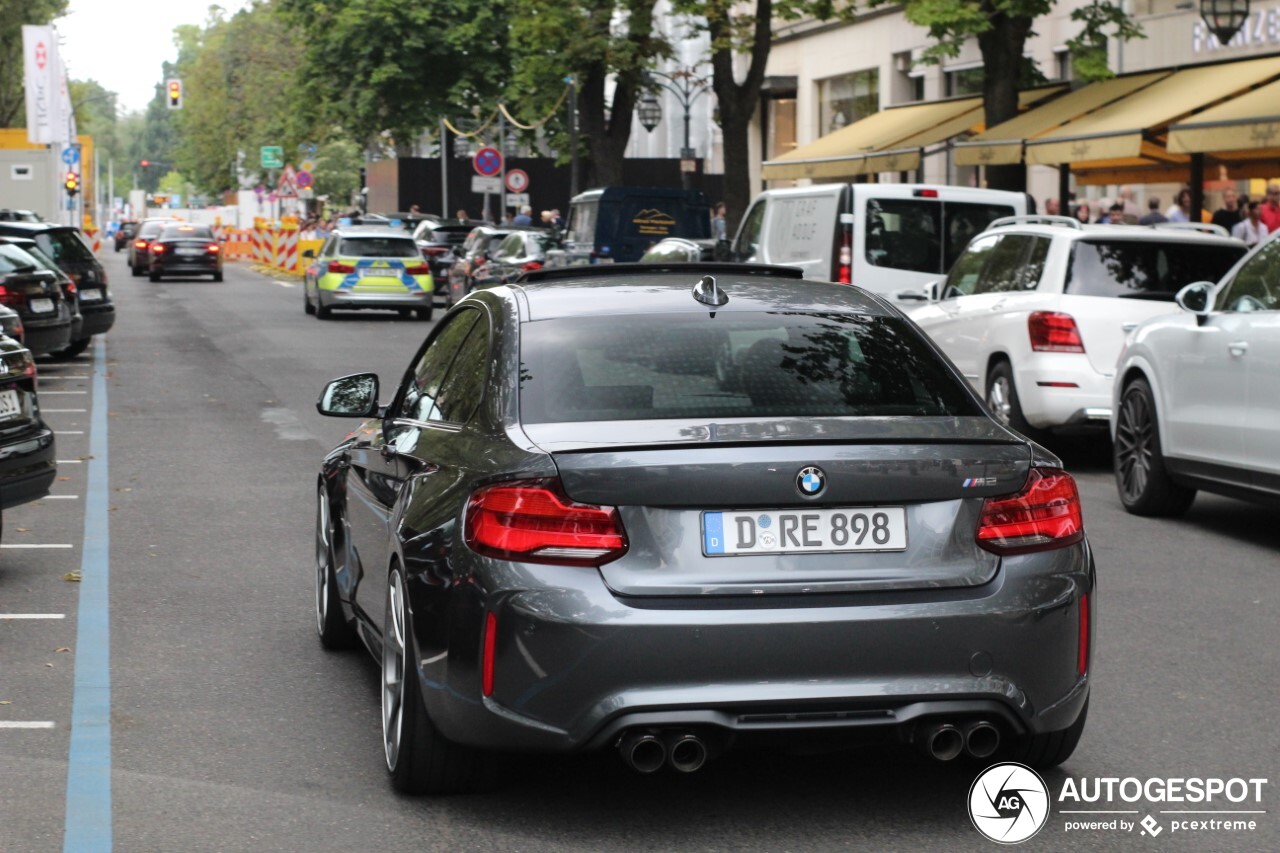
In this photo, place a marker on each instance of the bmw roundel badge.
(811, 481)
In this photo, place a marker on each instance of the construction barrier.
(287, 248)
(94, 237)
(259, 243)
(313, 246)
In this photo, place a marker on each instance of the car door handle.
(1238, 348)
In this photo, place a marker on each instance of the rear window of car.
(739, 366)
(151, 229)
(186, 232)
(13, 259)
(377, 247)
(63, 246)
(1134, 269)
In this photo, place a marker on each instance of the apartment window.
(908, 80)
(1062, 64)
(964, 81)
(845, 99)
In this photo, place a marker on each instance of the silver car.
(671, 513)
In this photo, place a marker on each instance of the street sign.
(303, 180)
(288, 186)
(488, 162)
(481, 184)
(307, 166)
(309, 149)
(273, 156)
(689, 166)
(517, 181)
(71, 155)
(517, 199)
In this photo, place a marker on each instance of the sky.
(122, 45)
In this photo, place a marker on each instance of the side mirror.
(353, 396)
(1196, 298)
(309, 253)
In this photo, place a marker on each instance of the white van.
(883, 237)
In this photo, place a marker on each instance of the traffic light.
(72, 183)
(144, 163)
(173, 92)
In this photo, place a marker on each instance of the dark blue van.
(619, 224)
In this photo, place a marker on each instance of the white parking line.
(70, 461)
(44, 376)
(64, 411)
(32, 616)
(68, 432)
(6, 545)
(286, 284)
(24, 724)
(64, 393)
(60, 498)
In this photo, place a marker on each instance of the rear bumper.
(1048, 400)
(574, 664)
(46, 336)
(194, 266)
(390, 300)
(99, 317)
(27, 466)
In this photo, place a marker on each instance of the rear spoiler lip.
(558, 448)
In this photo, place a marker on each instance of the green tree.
(1001, 28)
(96, 116)
(337, 173)
(13, 14)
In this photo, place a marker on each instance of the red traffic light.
(145, 163)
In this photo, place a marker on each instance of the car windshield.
(378, 247)
(63, 245)
(1137, 269)
(186, 232)
(745, 365)
(14, 259)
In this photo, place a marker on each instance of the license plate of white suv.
(10, 406)
(790, 531)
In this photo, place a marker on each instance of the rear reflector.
(1052, 331)
(533, 521)
(1057, 384)
(339, 267)
(490, 644)
(1044, 515)
(1082, 652)
(844, 259)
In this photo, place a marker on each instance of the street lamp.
(1224, 17)
(687, 87)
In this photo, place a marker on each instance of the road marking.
(286, 284)
(63, 393)
(88, 816)
(68, 432)
(63, 411)
(20, 724)
(44, 375)
(70, 461)
(33, 616)
(60, 498)
(16, 546)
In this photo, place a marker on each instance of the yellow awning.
(843, 153)
(1249, 121)
(1002, 144)
(1116, 131)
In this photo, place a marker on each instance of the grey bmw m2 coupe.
(671, 511)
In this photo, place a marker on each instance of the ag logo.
(1008, 803)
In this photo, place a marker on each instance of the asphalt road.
(232, 730)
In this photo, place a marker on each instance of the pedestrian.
(1153, 215)
(1270, 211)
(1228, 216)
(1115, 214)
(525, 216)
(1252, 230)
(719, 229)
(546, 219)
(1081, 213)
(461, 214)
(414, 210)
(1051, 206)
(1131, 211)
(556, 219)
(1181, 210)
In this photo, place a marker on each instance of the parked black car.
(439, 241)
(11, 324)
(27, 461)
(124, 234)
(183, 249)
(522, 251)
(93, 312)
(31, 290)
(10, 215)
(472, 254)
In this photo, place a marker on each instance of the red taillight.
(432, 251)
(8, 297)
(418, 269)
(1052, 331)
(213, 249)
(1044, 515)
(531, 266)
(490, 643)
(71, 286)
(844, 261)
(141, 244)
(340, 267)
(1082, 652)
(532, 521)
(157, 249)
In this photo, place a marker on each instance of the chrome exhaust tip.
(686, 752)
(981, 739)
(642, 751)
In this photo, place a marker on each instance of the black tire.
(307, 307)
(419, 759)
(217, 276)
(405, 312)
(136, 272)
(1002, 401)
(74, 349)
(155, 276)
(322, 311)
(336, 633)
(425, 313)
(1048, 750)
(1142, 479)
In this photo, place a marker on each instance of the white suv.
(1035, 311)
(1198, 394)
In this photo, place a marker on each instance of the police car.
(368, 267)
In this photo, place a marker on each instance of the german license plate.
(10, 406)
(191, 253)
(379, 272)
(40, 306)
(882, 528)
(90, 295)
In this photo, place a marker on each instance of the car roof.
(671, 292)
(1146, 233)
(372, 231)
(34, 227)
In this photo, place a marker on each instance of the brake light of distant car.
(8, 297)
(140, 244)
(1052, 331)
(490, 647)
(340, 267)
(1044, 515)
(533, 521)
(214, 249)
(157, 248)
(530, 266)
(844, 259)
(418, 269)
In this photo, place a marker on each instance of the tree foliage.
(13, 14)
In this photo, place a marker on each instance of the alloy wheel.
(393, 669)
(998, 400)
(1134, 431)
(324, 557)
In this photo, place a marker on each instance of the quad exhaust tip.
(981, 739)
(944, 742)
(686, 752)
(647, 751)
(947, 741)
(642, 751)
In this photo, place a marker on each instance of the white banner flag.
(40, 71)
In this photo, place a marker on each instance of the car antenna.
(706, 292)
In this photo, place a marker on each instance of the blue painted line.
(88, 822)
